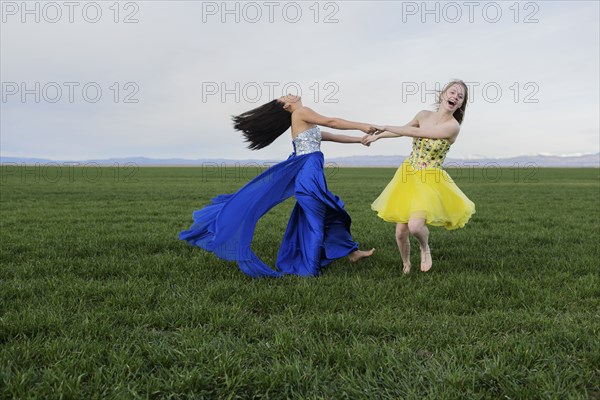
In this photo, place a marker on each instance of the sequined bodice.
(428, 153)
(308, 141)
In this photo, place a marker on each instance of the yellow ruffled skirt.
(428, 193)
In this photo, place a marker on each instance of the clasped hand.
(372, 134)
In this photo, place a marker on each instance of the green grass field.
(99, 298)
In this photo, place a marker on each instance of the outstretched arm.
(332, 137)
(311, 117)
(447, 130)
(368, 139)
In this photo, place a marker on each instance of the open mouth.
(451, 103)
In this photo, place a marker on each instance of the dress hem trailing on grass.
(318, 230)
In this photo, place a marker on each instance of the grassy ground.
(99, 298)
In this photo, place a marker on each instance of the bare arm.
(332, 137)
(311, 117)
(447, 130)
(386, 134)
(368, 139)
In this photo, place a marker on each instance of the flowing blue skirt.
(318, 231)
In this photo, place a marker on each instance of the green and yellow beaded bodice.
(428, 153)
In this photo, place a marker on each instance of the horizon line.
(468, 157)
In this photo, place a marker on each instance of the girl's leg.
(418, 228)
(403, 245)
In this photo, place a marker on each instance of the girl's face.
(290, 102)
(453, 97)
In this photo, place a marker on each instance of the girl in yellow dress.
(421, 192)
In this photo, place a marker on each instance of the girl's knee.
(415, 226)
(402, 231)
(402, 235)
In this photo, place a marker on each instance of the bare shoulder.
(304, 110)
(304, 118)
(304, 114)
(418, 119)
(300, 113)
(454, 127)
(422, 116)
(454, 124)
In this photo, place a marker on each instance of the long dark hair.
(264, 124)
(459, 114)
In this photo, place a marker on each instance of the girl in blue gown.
(318, 231)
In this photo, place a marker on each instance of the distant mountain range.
(583, 160)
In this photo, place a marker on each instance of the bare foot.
(426, 261)
(357, 255)
(406, 268)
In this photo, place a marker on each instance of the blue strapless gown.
(318, 231)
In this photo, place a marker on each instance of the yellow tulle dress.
(422, 189)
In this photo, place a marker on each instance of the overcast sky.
(162, 79)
